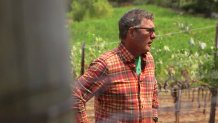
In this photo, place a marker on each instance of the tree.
(82, 9)
(205, 7)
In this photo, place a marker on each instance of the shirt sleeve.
(88, 85)
(155, 102)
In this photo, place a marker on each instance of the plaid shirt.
(121, 96)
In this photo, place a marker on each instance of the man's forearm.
(155, 102)
(79, 111)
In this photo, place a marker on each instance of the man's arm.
(155, 103)
(87, 86)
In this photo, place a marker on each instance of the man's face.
(143, 36)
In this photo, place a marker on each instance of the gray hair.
(130, 19)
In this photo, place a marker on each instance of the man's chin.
(145, 52)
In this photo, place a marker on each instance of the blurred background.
(35, 73)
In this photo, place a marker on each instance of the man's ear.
(131, 33)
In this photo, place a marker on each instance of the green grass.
(166, 21)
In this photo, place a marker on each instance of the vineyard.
(194, 107)
(184, 52)
(181, 103)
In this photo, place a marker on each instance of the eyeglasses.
(150, 30)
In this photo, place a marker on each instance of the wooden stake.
(216, 48)
(83, 59)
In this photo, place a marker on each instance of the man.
(122, 80)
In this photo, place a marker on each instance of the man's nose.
(153, 36)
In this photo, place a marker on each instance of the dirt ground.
(189, 111)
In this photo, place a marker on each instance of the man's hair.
(130, 19)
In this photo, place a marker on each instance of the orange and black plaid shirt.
(121, 96)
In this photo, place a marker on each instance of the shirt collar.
(127, 56)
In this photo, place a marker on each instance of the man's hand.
(155, 119)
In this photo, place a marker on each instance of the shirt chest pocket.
(148, 82)
(123, 90)
(121, 86)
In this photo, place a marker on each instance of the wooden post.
(205, 101)
(34, 62)
(83, 59)
(193, 95)
(177, 105)
(216, 48)
(213, 104)
(213, 90)
(176, 93)
(198, 98)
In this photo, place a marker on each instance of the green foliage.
(83, 9)
(207, 70)
(166, 3)
(205, 7)
(120, 2)
(91, 52)
(182, 59)
(188, 50)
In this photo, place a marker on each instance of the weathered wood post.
(198, 98)
(83, 59)
(34, 62)
(213, 90)
(178, 104)
(205, 101)
(176, 93)
(216, 47)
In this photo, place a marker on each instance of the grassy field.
(166, 21)
(101, 35)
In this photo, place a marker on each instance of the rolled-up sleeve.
(155, 102)
(88, 85)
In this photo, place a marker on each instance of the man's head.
(136, 30)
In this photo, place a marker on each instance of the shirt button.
(142, 106)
